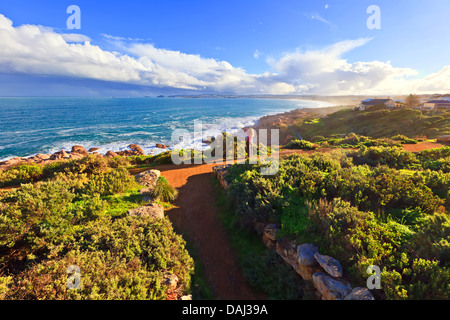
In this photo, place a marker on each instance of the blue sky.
(209, 46)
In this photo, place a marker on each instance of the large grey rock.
(329, 288)
(306, 254)
(148, 178)
(154, 210)
(329, 264)
(360, 293)
(287, 249)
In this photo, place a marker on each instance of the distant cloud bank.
(38, 50)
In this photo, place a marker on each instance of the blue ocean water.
(29, 126)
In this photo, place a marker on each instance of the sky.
(285, 47)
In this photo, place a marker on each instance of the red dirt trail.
(195, 216)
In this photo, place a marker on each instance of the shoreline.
(77, 151)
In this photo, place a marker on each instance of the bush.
(78, 217)
(163, 191)
(112, 182)
(23, 173)
(301, 144)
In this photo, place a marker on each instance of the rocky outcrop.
(161, 146)
(137, 149)
(80, 150)
(154, 210)
(111, 154)
(77, 152)
(148, 178)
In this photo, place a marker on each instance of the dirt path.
(196, 217)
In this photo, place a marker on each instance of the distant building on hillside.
(389, 103)
(437, 104)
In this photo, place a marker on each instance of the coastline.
(273, 121)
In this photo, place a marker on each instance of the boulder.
(111, 154)
(154, 210)
(42, 157)
(305, 253)
(75, 155)
(360, 293)
(306, 272)
(161, 146)
(287, 249)
(329, 288)
(148, 178)
(80, 150)
(329, 264)
(137, 150)
(93, 149)
(64, 155)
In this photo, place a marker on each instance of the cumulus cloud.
(38, 50)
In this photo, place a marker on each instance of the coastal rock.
(137, 150)
(161, 146)
(111, 154)
(360, 293)
(287, 249)
(154, 210)
(93, 149)
(80, 150)
(329, 288)
(148, 178)
(305, 253)
(64, 155)
(42, 157)
(329, 264)
(75, 156)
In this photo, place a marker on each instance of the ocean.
(31, 125)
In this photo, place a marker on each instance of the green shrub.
(23, 173)
(112, 182)
(163, 191)
(301, 144)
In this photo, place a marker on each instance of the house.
(389, 103)
(437, 104)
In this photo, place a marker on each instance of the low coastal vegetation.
(378, 205)
(375, 122)
(74, 213)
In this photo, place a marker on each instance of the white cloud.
(257, 54)
(37, 50)
(320, 18)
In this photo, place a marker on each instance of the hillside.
(377, 122)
